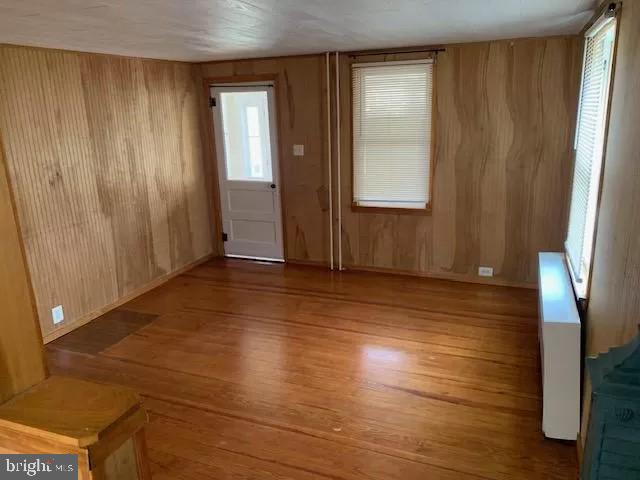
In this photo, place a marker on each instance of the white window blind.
(589, 144)
(392, 134)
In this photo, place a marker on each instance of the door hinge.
(225, 237)
(212, 102)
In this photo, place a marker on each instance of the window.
(254, 138)
(589, 145)
(245, 121)
(392, 134)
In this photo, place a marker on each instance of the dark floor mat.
(103, 332)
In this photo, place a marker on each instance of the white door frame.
(269, 86)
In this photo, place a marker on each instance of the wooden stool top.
(69, 411)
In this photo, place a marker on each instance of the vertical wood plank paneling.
(449, 136)
(470, 155)
(552, 176)
(300, 98)
(105, 156)
(493, 178)
(301, 115)
(525, 99)
(504, 120)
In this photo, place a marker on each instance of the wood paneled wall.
(21, 357)
(613, 313)
(504, 132)
(301, 104)
(105, 159)
(503, 140)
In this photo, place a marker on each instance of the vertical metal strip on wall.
(330, 159)
(339, 167)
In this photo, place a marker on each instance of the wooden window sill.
(391, 210)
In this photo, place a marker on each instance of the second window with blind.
(589, 149)
(392, 137)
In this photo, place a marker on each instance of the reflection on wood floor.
(258, 371)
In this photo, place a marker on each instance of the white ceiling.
(200, 30)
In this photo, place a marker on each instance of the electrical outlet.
(485, 271)
(298, 150)
(57, 313)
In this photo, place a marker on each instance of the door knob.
(273, 185)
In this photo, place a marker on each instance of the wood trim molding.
(603, 162)
(391, 210)
(127, 298)
(207, 83)
(454, 277)
(431, 51)
(579, 451)
(253, 59)
(212, 166)
(107, 55)
(308, 263)
(210, 81)
(393, 271)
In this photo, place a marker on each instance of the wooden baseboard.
(309, 263)
(412, 273)
(121, 301)
(444, 276)
(579, 451)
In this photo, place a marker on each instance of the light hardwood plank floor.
(259, 371)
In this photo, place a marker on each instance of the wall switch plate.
(57, 313)
(298, 150)
(485, 271)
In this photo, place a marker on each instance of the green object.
(613, 442)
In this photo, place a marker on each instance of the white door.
(246, 144)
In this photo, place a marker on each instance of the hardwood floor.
(258, 371)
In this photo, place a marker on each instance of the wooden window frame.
(428, 210)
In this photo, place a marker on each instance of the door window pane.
(255, 142)
(247, 146)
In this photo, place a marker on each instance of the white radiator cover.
(559, 335)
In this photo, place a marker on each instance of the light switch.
(298, 150)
